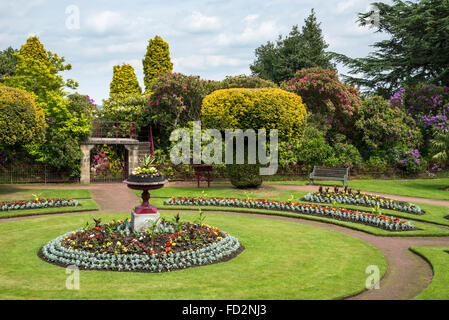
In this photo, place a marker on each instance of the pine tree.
(314, 44)
(124, 82)
(156, 61)
(300, 49)
(414, 53)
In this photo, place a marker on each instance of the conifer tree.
(301, 49)
(156, 61)
(414, 53)
(124, 82)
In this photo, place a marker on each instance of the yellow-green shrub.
(21, 120)
(264, 108)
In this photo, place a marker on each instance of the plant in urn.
(145, 178)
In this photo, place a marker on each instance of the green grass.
(7, 194)
(422, 188)
(282, 260)
(439, 260)
(225, 192)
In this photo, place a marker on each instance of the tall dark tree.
(304, 48)
(416, 51)
(8, 63)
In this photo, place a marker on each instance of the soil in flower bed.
(115, 247)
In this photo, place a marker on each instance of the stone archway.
(131, 145)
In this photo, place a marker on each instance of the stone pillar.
(133, 156)
(85, 163)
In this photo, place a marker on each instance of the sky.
(212, 39)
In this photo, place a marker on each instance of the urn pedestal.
(144, 215)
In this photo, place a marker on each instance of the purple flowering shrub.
(426, 100)
(410, 162)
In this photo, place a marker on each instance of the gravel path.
(407, 274)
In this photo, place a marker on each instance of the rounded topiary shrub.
(264, 108)
(22, 121)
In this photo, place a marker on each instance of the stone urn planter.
(144, 214)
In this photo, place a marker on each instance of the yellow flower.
(174, 244)
(119, 243)
(73, 242)
(90, 246)
(125, 250)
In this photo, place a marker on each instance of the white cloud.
(207, 61)
(107, 21)
(253, 33)
(199, 22)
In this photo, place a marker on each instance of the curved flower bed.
(363, 199)
(115, 247)
(37, 204)
(387, 223)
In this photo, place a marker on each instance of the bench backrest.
(330, 172)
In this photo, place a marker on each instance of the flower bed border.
(37, 204)
(342, 214)
(53, 252)
(401, 206)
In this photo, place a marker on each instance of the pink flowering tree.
(176, 99)
(323, 94)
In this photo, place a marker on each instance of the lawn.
(282, 260)
(438, 257)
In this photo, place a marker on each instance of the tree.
(38, 72)
(124, 82)
(21, 120)
(416, 51)
(7, 63)
(301, 49)
(156, 61)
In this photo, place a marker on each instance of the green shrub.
(244, 81)
(124, 82)
(314, 151)
(382, 128)
(156, 61)
(243, 108)
(267, 108)
(21, 120)
(130, 109)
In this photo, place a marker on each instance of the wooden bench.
(325, 173)
(202, 169)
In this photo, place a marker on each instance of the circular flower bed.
(115, 247)
(389, 223)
